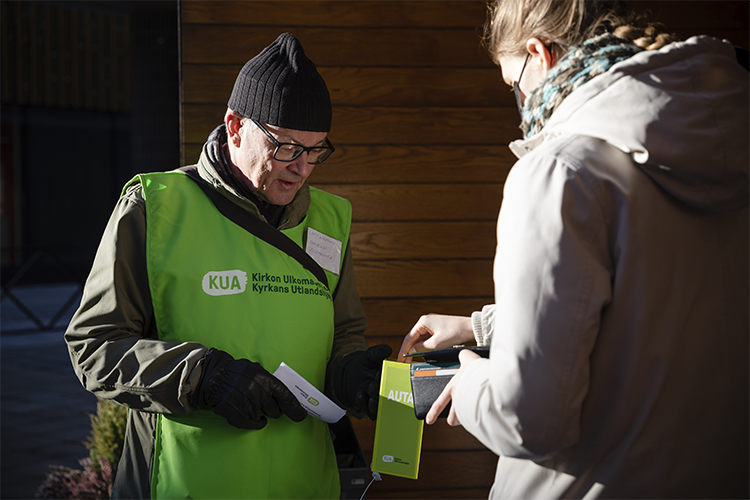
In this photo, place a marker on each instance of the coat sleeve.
(552, 278)
(111, 338)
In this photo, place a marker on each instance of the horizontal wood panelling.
(421, 123)
(426, 278)
(409, 15)
(388, 125)
(212, 84)
(426, 125)
(450, 469)
(390, 319)
(417, 86)
(191, 153)
(700, 15)
(726, 19)
(407, 163)
(697, 15)
(445, 47)
(425, 240)
(431, 491)
(420, 202)
(410, 163)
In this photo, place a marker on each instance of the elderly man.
(201, 288)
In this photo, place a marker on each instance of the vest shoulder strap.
(257, 227)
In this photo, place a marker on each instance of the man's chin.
(283, 198)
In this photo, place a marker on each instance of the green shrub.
(107, 432)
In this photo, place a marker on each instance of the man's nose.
(300, 166)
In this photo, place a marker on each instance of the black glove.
(359, 379)
(244, 392)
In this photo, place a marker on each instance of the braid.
(647, 36)
(568, 23)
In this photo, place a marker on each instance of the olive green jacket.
(115, 348)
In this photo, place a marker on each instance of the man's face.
(271, 180)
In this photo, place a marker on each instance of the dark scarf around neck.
(216, 146)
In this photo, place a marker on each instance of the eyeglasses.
(286, 151)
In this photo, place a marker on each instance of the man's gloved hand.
(244, 392)
(360, 378)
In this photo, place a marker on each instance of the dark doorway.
(90, 97)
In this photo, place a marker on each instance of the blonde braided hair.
(650, 37)
(567, 23)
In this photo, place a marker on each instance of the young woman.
(619, 335)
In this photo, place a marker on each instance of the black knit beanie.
(281, 87)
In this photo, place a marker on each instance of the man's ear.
(540, 53)
(233, 122)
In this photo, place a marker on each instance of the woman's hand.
(466, 356)
(436, 331)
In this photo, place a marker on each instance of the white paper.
(324, 250)
(315, 402)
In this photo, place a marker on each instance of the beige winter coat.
(619, 349)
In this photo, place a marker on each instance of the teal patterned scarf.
(582, 63)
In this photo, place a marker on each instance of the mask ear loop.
(517, 89)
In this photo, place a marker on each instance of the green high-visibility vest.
(215, 283)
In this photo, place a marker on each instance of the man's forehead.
(287, 134)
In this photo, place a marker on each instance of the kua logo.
(224, 282)
(388, 458)
(313, 401)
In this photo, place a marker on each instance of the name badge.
(324, 250)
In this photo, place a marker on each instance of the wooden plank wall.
(420, 128)
(421, 123)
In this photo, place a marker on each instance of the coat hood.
(681, 112)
